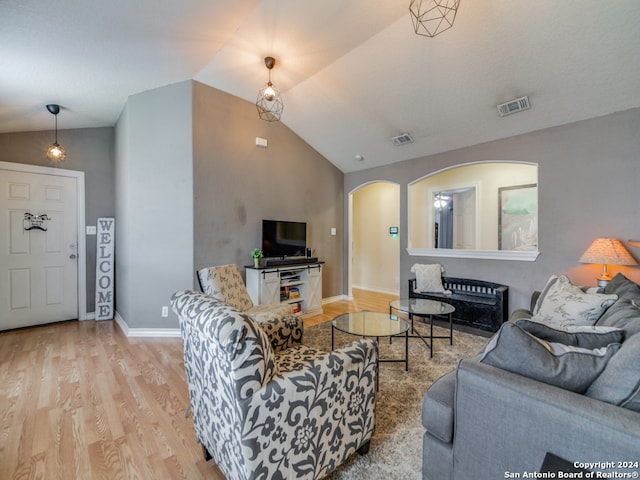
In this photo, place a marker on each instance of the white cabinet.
(312, 289)
(300, 285)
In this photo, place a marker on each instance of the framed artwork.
(518, 217)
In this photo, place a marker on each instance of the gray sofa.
(484, 422)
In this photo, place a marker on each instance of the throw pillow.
(428, 277)
(625, 313)
(621, 285)
(619, 382)
(571, 368)
(575, 336)
(565, 304)
(552, 280)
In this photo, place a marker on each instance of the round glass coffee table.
(373, 324)
(424, 308)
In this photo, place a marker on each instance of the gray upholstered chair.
(225, 283)
(272, 413)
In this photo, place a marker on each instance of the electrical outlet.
(165, 311)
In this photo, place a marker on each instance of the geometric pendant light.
(269, 102)
(55, 152)
(431, 17)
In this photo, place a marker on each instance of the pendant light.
(431, 17)
(269, 103)
(55, 152)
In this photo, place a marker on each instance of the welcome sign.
(104, 268)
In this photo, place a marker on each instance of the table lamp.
(607, 251)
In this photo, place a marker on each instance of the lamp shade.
(609, 251)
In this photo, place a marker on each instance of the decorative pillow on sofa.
(625, 313)
(574, 335)
(429, 278)
(567, 367)
(621, 285)
(619, 382)
(552, 280)
(562, 303)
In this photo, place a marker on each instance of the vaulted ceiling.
(353, 74)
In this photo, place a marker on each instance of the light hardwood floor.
(79, 400)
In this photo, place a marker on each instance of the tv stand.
(298, 283)
(275, 261)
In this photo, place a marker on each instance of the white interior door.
(38, 266)
(464, 213)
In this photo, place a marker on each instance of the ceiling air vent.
(514, 106)
(403, 139)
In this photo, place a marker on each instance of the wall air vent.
(514, 106)
(403, 139)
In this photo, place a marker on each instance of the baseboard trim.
(175, 332)
(336, 298)
(376, 290)
(145, 332)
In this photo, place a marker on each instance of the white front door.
(38, 257)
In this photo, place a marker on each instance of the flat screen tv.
(283, 239)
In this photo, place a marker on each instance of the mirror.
(482, 210)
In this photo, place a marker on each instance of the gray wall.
(154, 204)
(237, 184)
(589, 176)
(89, 150)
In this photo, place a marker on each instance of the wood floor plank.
(80, 400)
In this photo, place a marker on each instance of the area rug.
(396, 445)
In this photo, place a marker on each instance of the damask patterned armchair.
(225, 283)
(265, 413)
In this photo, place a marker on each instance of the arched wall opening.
(374, 233)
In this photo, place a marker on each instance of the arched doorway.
(374, 248)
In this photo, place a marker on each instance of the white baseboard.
(376, 289)
(175, 332)
(337, 298)
(145, 332)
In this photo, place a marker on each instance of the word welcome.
(104, 268)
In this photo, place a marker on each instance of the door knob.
(72, 256)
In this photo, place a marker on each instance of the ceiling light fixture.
(269, 103)
(431, 17)
(55, 152)
(440, 201)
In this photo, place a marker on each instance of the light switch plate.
(91, 229)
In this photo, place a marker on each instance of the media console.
(299, 284)
(276, 261)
